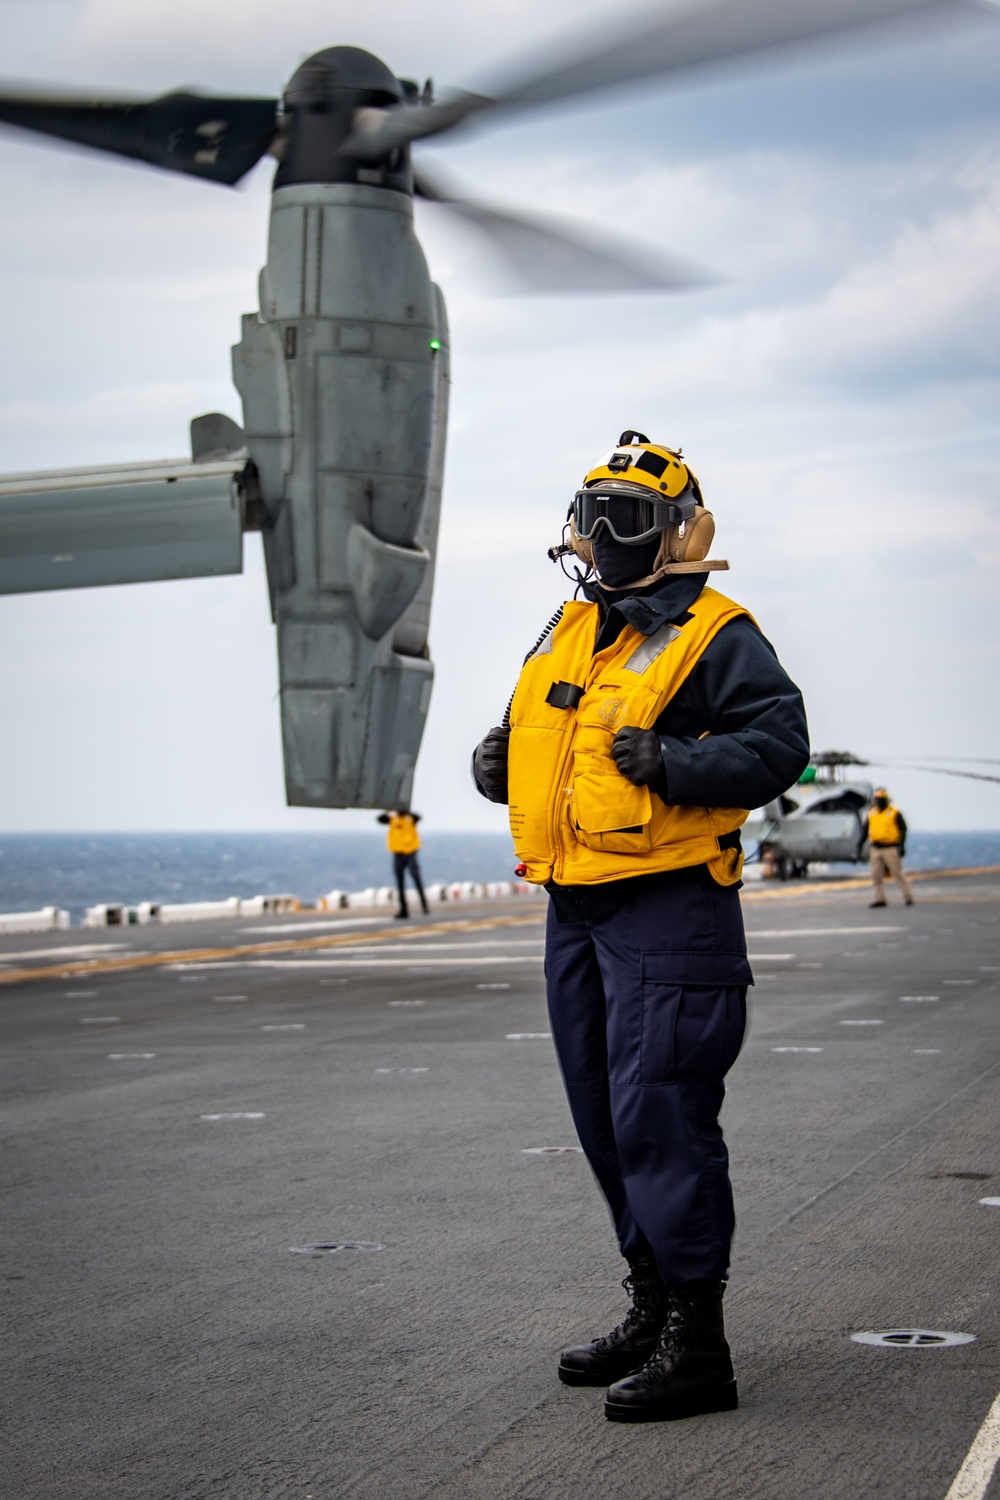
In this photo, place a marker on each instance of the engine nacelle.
(344, 381)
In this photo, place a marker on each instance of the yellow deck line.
(857, 882)
(288, 945)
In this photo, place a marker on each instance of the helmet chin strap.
(709, 565)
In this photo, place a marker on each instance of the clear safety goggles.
(628, 511)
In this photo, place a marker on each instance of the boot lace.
(673, 1344)
(646, 1304)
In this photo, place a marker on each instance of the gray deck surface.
(162, 1342)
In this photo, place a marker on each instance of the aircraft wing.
(355, 675)
(122, 523)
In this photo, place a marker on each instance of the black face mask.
(881, 803)
(617, 564)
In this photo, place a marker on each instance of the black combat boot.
(628, 1346)
(690, 1370)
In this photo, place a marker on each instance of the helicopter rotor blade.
(967, 760)
(215, 138)
(943, 771)
(547, 256)
(661, 42)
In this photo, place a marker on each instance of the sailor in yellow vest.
(648, 717)
(886, 847)
(404, 841)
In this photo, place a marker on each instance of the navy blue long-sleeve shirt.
(757, 740)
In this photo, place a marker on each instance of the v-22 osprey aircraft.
(343, 369)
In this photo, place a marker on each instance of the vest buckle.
(564, 695)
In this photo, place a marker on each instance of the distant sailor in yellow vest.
(886, 847)
(648, 717)
(404, 841)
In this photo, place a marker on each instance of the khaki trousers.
(887, 861)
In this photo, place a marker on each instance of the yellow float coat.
(883, 827)
(403, 837)
(574, 817)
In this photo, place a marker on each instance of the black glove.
(637, 755)
(489, 764)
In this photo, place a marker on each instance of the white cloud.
(838, 398)
(253, 44)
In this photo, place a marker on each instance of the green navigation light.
(809, 774)
(435, 343)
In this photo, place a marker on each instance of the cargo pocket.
(690, 1030)
(611, 814)
(661, 1004)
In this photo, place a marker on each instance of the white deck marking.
(862, 1023)
(98, 1020)
(990, 1202)
(551, 1150)
(417, 941)
(797, 932)
(528, 1036)
(973, 1478)
(919, 999)
(770, 958)
(457, 947)
(796, 1049)
(286, 1026)
(75, 952)
(235, 1115)
(329, 925)
(496, 960)
(121, 1056)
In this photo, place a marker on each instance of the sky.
(836, 390)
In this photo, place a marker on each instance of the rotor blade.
(941, 771)
(967, 760)
(547, 256)
(218, 139)
(663, 41)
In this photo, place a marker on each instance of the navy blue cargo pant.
(648, 1010)
(401, 863)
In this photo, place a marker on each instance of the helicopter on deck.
(820, 819)
(823, 818)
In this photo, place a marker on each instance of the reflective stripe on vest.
(883, 827)
(573, 816)
(403, 836)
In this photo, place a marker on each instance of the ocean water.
(78, 870)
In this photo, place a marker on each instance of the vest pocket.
(610, 813)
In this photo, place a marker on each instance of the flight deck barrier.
(115, 914)
(48, 919)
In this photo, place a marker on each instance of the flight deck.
(294, 1208)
